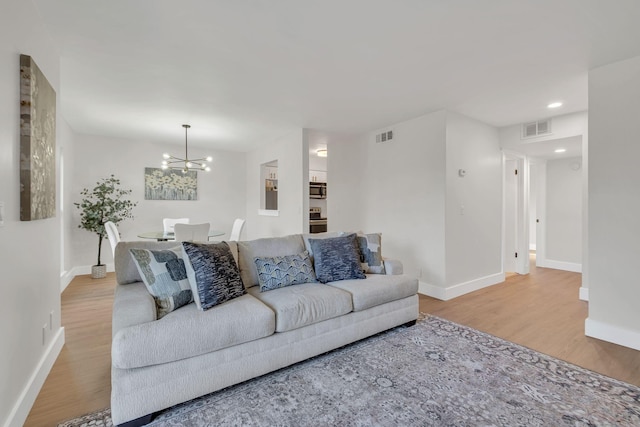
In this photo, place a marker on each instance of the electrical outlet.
(44, 334)
(1, 214)
(51, 321)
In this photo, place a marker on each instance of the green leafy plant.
(104, 203)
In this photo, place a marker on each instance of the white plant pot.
(98, 271)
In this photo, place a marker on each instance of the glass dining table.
(161, 236)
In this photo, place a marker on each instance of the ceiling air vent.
(542, 127)
(386, 136)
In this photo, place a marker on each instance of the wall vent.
(386, 136)
(533, 129)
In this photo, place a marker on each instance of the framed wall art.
(168, 184)
(37, 143)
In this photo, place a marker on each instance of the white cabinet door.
(317, 176)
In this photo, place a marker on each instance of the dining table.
(161, 236)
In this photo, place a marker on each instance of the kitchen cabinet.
(317, 176)
(272, 172)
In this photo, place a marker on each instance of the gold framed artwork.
(37, 143)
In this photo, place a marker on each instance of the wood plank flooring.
(540, 311)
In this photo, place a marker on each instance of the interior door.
(510, 215)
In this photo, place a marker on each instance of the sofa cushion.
(278, 272)
(249, 250)
(301, 305)
(163, 273)
(212, 272)
(377, 289)
(189, 332)
(337, 258)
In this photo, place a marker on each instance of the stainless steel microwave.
(318, 190)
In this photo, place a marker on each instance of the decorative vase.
(98, 271)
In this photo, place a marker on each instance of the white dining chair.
(238, 225)
(112, 235)
(169, 224)
(192, 232)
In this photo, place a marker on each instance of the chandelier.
(173, 162)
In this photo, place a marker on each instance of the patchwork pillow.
(280, 271)
(337, 258)
(163, 273)
(213, 273)
(371, 253)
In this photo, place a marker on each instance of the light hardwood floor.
(540, 311)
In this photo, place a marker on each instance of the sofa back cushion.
(249, 250)
(126, 269)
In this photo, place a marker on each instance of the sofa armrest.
(393, 266)
(132, 305)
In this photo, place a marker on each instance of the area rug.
(434, 373)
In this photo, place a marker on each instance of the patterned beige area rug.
(434, 373)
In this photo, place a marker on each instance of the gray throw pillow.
(371, 253)
(213, 273)
(280, 271)
(163, 273)
(337, 258)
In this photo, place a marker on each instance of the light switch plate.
(1, 214)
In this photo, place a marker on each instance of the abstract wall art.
(37, 143)
(167, 184)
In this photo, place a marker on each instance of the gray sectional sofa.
(189, 352)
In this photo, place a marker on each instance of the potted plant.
(104, 203)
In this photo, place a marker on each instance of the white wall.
(474, 204)
(564, 212)
(403, 192)
(221, 192)
(564, 126)
(345, 182)
(67, 188)
(292, 153)
(614, 203)
(30, 250)
(409, 190)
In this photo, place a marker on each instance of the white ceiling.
(244, 72)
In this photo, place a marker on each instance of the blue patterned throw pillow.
(281, 271)
(371, 253)
(163, 273)
(213, 273)
(337, 258)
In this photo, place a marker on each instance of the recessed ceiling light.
(555, 105)
(561, 150)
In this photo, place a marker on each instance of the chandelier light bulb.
(185, 164)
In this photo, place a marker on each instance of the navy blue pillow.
(337, 258)
(212, 272)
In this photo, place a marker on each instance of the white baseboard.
(611, 333)
(67, 276)
(21, 409)
(584, 294)
(454, 291)
(560, 265)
